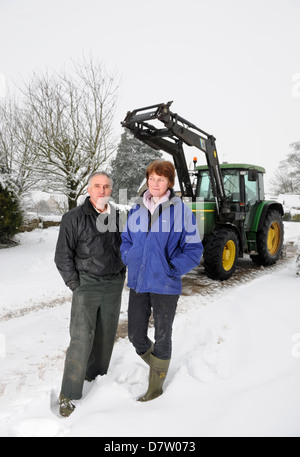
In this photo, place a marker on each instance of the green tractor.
(228, 199)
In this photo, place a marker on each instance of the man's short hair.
(100, 173)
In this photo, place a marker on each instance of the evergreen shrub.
(11, 215)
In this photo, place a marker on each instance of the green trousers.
(94, 320)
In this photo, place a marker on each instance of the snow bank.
(27, 272)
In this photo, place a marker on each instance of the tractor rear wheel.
(220, 254)
(269, 240)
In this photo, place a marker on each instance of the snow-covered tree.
(11, 216)
(71, 114)
(129, 166)
(17, 152)
(287, 177)
(294, 163)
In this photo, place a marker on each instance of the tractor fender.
(227, 226)
(262, 211)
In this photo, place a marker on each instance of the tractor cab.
(244, 190)
(243, 184)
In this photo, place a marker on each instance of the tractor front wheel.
(220, 254)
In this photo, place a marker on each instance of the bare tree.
(17, 151)
(287, 177)
(294, 162)
(71, 114)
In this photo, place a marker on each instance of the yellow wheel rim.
(229, 254)
(274, 237)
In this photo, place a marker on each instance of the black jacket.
(89, 242)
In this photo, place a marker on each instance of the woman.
(160, 243)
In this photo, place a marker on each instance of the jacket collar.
(87, 207)
(173, 199)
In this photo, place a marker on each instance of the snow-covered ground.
(235, 369)
(290, 202)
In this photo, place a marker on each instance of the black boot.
(66, 406)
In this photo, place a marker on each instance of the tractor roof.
(235, 166)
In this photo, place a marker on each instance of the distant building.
(290, 202)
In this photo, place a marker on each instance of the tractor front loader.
(228, 199)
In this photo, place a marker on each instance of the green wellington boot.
(158, 372)
(146, 355)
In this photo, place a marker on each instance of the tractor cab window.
(205, 190)
(232, 184)
(251, 191)
(231, 180)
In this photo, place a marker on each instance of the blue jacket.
(161, 248)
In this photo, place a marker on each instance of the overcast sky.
(232, 67)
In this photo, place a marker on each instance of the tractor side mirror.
(252, 175)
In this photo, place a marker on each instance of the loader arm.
(170, 139)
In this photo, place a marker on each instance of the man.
(89, 260)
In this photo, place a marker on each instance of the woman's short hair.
(162, 168)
